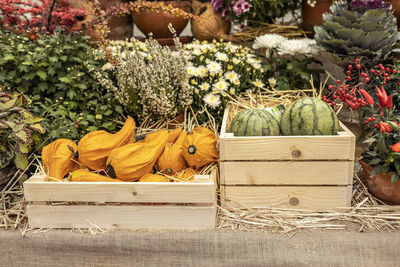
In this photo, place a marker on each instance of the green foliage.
(53, 71)
(293, 73)
(19, 129)
(268, 10)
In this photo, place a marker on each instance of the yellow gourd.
(186, 174)
(172, 160)
(58, 158)
(132, 161)
(200, 147)
(84, 175)
(95, 147)
(153, 178)
(174, 134)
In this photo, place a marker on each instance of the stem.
(51, 11)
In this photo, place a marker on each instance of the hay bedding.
(366, 214)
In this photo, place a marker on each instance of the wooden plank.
(287, 148)
(302, 197)
(286, 173)
(123, 217)
(37, 189)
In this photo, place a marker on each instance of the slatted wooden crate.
(174, 206)
(306, 172)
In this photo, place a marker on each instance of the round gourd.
(254, 122)
(309, 116)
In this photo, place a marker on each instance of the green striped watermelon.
(254, 122)
(309, 116)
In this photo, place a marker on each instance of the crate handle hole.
(294, 201)
(296, 153)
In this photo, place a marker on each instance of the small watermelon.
(276, 111)
(309, 116)
(254, 122)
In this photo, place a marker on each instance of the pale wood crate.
(133, 205)
(305, 172)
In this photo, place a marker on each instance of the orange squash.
(186, 174)
(174, 134)
(132, 161)
(58, 158)
(95, 147)
(200, 147)
(172, 160)
(84, 175)
(153, 178)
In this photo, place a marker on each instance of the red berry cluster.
(344, 93)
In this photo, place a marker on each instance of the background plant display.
(289, 61)
(254, 12)
(357, 29)
(151, 79)
(52, 72)
(217, 70)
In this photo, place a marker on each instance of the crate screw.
(296, 153)
(294, 201)
(134, 193)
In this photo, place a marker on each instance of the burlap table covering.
(206, 248)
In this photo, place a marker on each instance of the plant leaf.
(394, 178)
(21, 162)
(22, 136)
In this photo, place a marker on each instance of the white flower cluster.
(217, 69)
(153, 78)
(276, 43)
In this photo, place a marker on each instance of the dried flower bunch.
(151, 79)
(217, 70)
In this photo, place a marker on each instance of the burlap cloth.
(207, 248)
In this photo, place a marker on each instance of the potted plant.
(312, 11)
(378, 115)
(253, 13)
(156, 22)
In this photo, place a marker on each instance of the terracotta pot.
(120, 27)
(380, 185)
(396, 12)
(312, 16)
(157, 22)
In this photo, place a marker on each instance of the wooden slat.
(37, 189)
(123, 217)
(286, 173)
(308, 197)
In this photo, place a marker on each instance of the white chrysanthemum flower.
(221, 85)
(268, 41)
(235, 60)
(203, 71)
(190, 70)
(258, 83)
(236, 82)
(212, 100)
(214, 67)
(250, 60)
(108, 66)
(204, 86)
(256, 65)
(272, 82)
(221, 56)
(298, 46)
(196, 72)
(231, 76)
(197, 52)
(232, 91)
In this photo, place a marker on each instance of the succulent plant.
(19, 128)
(360, 28)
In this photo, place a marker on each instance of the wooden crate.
(131, 205)
(305, 172)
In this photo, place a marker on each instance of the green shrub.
(52, 71)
